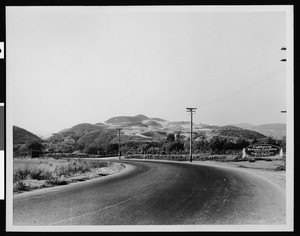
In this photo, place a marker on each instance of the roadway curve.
(156, 193)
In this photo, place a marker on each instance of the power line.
(191, 110)
(257, 82)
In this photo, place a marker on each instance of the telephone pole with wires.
(283, 49)
(191, 110)
(119, 130)
(284, 60)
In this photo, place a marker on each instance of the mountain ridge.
(22, 136)
(276, 130)
(143, 127)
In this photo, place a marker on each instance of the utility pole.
(284, 60)
(191, 110)
(119, 129)
(283, 49)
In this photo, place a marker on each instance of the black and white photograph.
(149, 118)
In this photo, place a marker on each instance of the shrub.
(55, 177)
(62, 170)
(30, 173)
(22, 174)
(36, 174)
(21, 186)
(47, 175)
(185, 157)
(281, 167)
(78, 166)
(57, 181)
(98, 164)
(82, 167)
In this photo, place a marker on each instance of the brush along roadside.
(30, 174)
(200, 157)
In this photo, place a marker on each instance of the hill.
(276, 130)
(244, 125)
(132, 124)
(158, 119)
(153, 124)
(139, 129)
(97, 137)
(100, 124)
(184, 123)
(121, 119)
(22, 136)
(155, 135)
(236, 132)
(76, 131)
(80, 127)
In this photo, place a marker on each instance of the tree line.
(172, 144)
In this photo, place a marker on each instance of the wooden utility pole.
(283, 49)
(191, 110)
(119, 129)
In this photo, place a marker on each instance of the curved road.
(158, 193)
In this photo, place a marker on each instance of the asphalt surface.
(156, 193)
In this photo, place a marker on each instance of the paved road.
(150, 192)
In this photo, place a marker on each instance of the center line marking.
(93, 212)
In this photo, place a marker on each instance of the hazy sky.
(71, 65)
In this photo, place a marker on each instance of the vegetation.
(22, 136)
(233, 131)
(100, 141)
(185, 157)
(53, 176)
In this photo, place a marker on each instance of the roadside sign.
(262, 150)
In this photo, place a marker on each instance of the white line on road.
(101, 209)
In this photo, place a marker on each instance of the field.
(29, 174)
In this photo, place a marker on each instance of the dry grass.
(41, 172)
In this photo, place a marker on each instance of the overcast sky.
(71, 65)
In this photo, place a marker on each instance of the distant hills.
(143, 128)
(233, 131)
(80, 128)
(276, 130)
(126, 119)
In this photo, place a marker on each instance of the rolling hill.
(22, 136)
(153, 124)
(127, 119)
(99, 136)
(276, 130)
(144, 127)
(79, 129)
(236, 132)
(141, 128)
